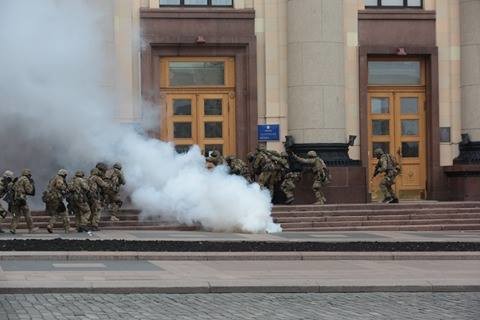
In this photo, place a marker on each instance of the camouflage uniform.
(6, 184)
(23, 187)
(281, 165)
(387, 166)
(115, 179)
(250, 162)
(238, 167)
(321, 176)
(79, 192)
(53, 198)
(215, 158)
(288, 186)
(97, 187)
(265, 168)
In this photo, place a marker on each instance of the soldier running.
(6, 184)
(79, 193)
(321, 177)
(115, 180)
(23, 187)
(265, 168)
(53, 197)
(389, 167)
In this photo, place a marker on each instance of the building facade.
(341, 77)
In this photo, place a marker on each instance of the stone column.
(470, 67)
(316, 80)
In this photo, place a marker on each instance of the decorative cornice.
(197, 13)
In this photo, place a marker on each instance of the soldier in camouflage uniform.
(321, 177)
(388, 166)
(53, 197)
(114, 178)
(97, 188)
(288, 186)
(238, 167)
(281, 165)
(265, 168)
(216, 158)
(79, 192)
(250, 162)
(23, 187)
(6, 184)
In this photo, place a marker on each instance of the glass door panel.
(213, 116)
(182, 124)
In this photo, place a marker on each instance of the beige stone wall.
(316, 75)
(470, 67)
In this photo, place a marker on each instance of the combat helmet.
(311, 154)
(378, 152)
(26, 172)
(79, 173)
(101, 166)
(62, 173)
(117, 165)
(8, 174)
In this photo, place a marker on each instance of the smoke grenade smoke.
(57, 110)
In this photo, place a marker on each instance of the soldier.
(238, 167)
(215, 158)
(79, 192)
(390, 168)
(115, 179)
(53, 197)
(288, 186)
(250, 162)
(23, 187)
(265, 168)
(321, 177)
(5, 190)
(281, 165)
(97, 187)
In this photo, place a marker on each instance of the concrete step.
(381, 212)
(390, 228)
(378, 218)
(445, 222)
(377, 206)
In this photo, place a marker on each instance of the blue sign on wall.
(268, 132)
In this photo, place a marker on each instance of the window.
(394, 73)
(393, 4)
(197, 3)
(196, 73)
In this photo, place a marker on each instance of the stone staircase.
(129, 220)
(407, 216)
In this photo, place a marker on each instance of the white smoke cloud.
(57, 105)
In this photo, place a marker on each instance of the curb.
(207, 288)
(237, 256)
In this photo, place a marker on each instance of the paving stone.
(341, 306)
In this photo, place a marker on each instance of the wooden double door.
(205, 119)
(396, 124)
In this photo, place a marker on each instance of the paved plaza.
(360, 306)
(324, 236)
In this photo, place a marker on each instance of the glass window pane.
(380, 105)
(213, 107)
(414, 3)
(169, 2)
(222, 2)
(371, 3)
(182, 107)
(213, 130)
(410, 149)
(182, 148)
(397, 3)
(211, 147)
(394, 72)
(196, 2)
(409, 105)
(380, 127)
(189, 73)
(409, 127)
(182, 130)
(385, 146)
